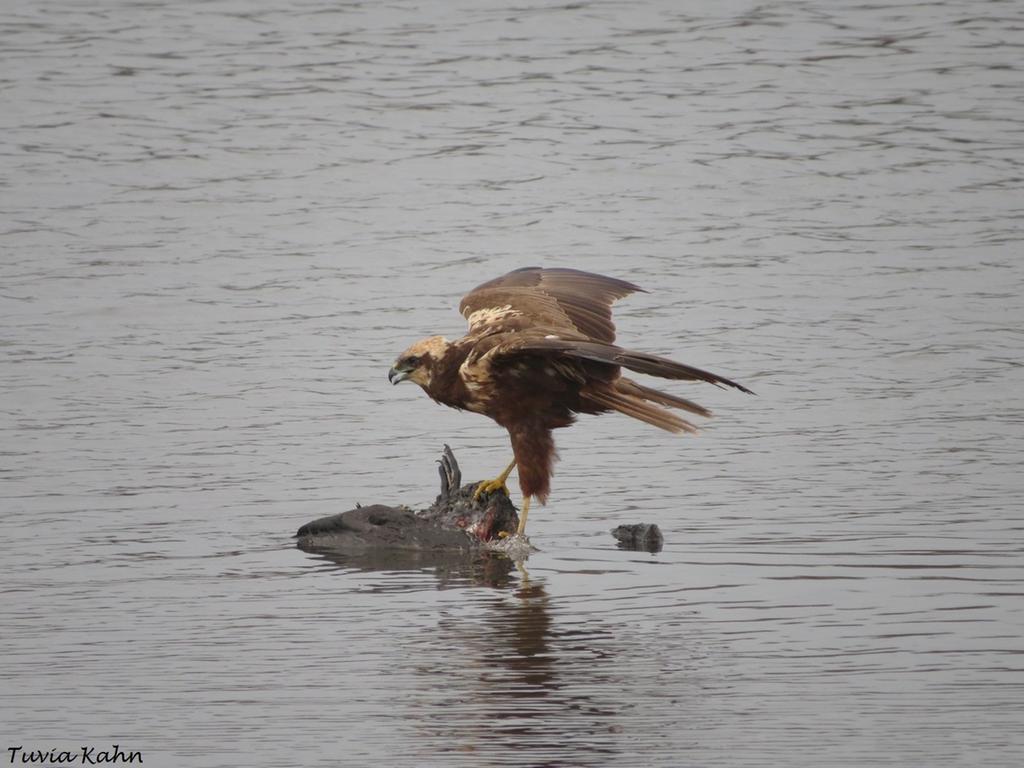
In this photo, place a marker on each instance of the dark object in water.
(454, 522)
(640, 537)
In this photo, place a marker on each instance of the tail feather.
(638, 408)
(630, 387)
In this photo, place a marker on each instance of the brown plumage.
(540, 349)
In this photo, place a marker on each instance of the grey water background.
(220, 222)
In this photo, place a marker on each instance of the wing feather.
(562, 301)
(583, 349)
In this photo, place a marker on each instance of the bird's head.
(418, 361)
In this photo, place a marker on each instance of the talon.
(497, 484)
(490, 486)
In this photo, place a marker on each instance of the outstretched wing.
(557, 300)
(641, 362)
(542, 342)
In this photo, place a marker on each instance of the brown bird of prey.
(540, 349)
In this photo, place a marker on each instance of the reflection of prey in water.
(452, 569)
(522, 686)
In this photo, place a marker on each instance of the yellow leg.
(522, 516)
(497, 484)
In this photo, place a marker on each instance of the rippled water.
(220, 221)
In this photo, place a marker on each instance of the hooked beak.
(395, 375)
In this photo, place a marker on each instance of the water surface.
(221, 221)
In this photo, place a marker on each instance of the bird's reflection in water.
(497, 674)
(530, 687)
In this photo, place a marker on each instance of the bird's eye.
(412, 360)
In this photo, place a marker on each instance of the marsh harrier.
(540, 349)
